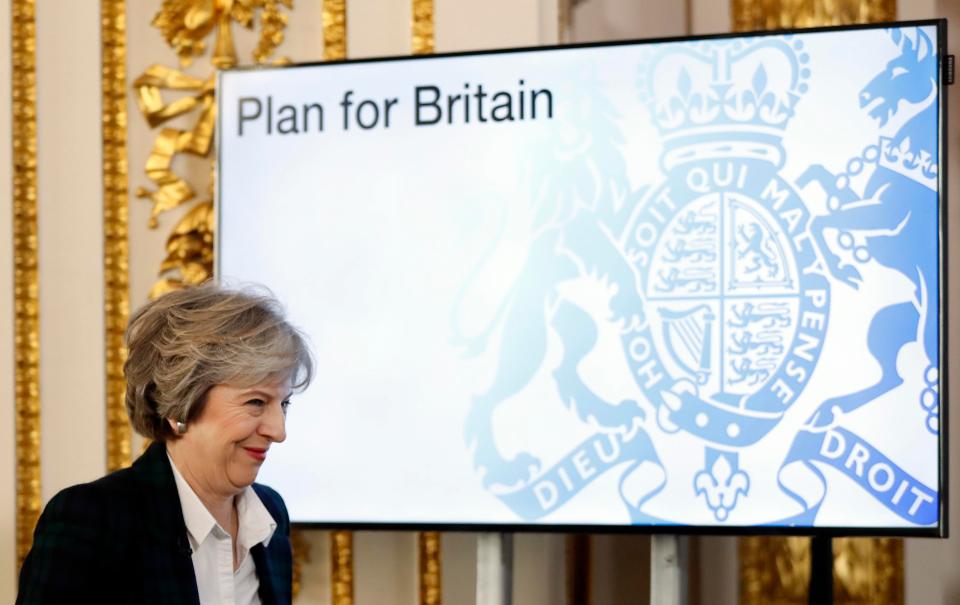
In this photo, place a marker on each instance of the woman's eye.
(284, 405)
(257, 402)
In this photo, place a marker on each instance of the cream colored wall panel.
(709, 16)
(924, 9)
(378, 28)
(469, 25)
(604, 20)
(539, 568)
(70, 244)
(458, 566)
(385, 568)
(549, 21)
(303, 42)
(8, 463)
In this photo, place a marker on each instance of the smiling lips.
(257, 453)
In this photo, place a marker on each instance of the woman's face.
(226, 444)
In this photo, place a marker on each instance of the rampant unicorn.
(895, 217)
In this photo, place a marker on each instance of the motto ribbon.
(593, 457)
(863, 463)
(644, 476)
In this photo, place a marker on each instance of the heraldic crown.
(727, 87)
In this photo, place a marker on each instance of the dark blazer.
(122, 539)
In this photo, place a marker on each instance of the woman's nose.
(273, 423)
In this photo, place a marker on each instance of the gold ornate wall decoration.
(187, 25)
(334, 30)
(116, 271)
(422, 26)
(776, 571)
(429, 563)
(341, 542)
(431, 587)
(341, 576)
(301, 550)
(25, 278)
(868, 571)
(753, 15)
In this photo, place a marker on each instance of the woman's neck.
(221, 506)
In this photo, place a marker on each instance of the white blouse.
(212, 547)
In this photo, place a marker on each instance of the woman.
(209, 376)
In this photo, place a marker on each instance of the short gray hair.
(185, 342)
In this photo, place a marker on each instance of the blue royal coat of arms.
(721, 275)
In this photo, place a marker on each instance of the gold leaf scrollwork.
(186, 25)
(751, 15)
(189, 250)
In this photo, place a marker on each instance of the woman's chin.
(244, 474)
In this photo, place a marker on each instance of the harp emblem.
(689, 334)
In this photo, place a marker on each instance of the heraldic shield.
(737, 307)
(721, 277)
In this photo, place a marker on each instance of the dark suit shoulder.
(72, 542)
(109, 499)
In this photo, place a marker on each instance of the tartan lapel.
(267, 593)
(161, 506)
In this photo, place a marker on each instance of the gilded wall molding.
(334, 30)
(25, 277)
(301, 555)
(341, 573)
(116, 271)
(753, 15)
(428, 556)
(428, 549)
(341, 542)
(777, 570)
(422, 26)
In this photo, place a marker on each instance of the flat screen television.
(679, 285)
